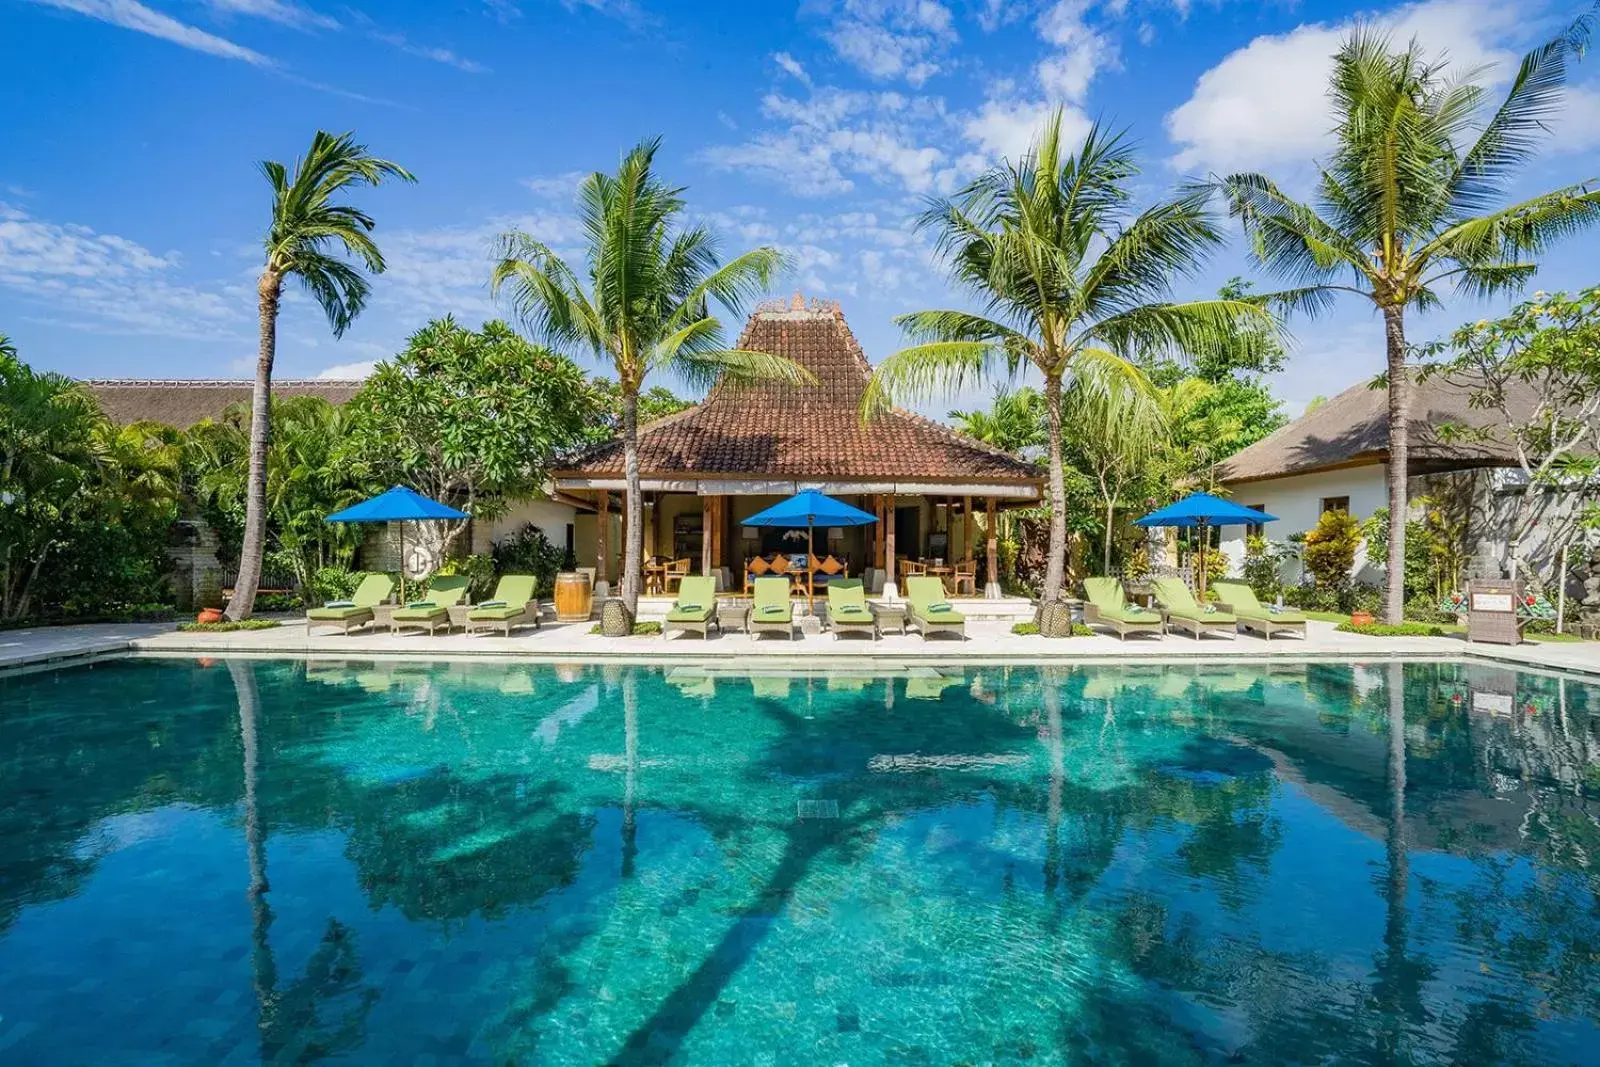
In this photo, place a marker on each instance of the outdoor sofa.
(1252, 615)
(1186, 613)
(1105, 604)
(357, 611)
(512, 605)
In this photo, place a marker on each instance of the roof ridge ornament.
(798, 306)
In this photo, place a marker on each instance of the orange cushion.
(780, 565)
(831, 566)
(759, 566)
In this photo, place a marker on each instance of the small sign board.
(1492, 611)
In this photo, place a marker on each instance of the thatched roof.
(1352, 430)
(182, 402)
(805, 432)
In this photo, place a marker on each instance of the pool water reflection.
(262, 861)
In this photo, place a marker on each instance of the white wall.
(549, 515)
(1297, 502)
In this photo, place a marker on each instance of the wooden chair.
(675, 572)
(965, 577)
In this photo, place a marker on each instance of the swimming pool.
(273, 861)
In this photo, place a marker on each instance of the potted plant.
(1361, 618)
(210, 598)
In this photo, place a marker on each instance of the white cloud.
(1577, 128)
(1266, 103)
(1005, 129)
(792, 65)
(361, 368)
(834, 135)
(1081, 52)
(131, 15)
(437, 55)
(997, 13)
(555, 186)
(107, 283)
(889, 39)
(279, 11)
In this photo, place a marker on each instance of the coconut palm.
(1070, 280)
(1014, 421)
(303, 242)
(1406, 203)
(642, 304)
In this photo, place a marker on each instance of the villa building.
(749, 445)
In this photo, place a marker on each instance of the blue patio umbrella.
(809, 508)
(1202, 510)
(401, 505)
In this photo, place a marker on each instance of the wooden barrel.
(574, 598)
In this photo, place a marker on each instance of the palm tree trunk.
(633, 536)
(1111, 516)
(268, 290)
(1056, 564)
(1394, 600)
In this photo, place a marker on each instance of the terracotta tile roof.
(805, 431)
(1353, 429)
(182, 402)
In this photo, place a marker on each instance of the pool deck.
(988, 642)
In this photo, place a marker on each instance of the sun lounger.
(847, 608)
(1106, 605)
(433, 610)
(512, 605)
(1252, 615)
(694, 608)
(1184, 612)
(772, 611)
(930, 612)
(357, 611)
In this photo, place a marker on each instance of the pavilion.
(747, 446)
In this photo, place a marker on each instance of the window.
(1335, 503)
(1255, 529)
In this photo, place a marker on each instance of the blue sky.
(131, 210)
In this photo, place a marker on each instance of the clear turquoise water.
(243, 862)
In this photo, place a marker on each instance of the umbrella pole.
(402, 564)
(1205, 552)
(811, 578)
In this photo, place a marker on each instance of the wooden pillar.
(969, 528)
(652, 512)
(708, 515)
(602, 537)
(888, 536)
(992, 526)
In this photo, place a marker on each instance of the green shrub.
(227, 627)
(1262, 562)
(333, 583)
(1404, 629)
(1330, 549)
(1425, 608)
(479, 571)
(529, 551)
(640, 629)
(279, 602)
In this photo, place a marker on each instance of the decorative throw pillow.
(780, 565)
(759, 566)
(831, 566)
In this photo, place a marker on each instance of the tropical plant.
(1111, 432)
(1262, 569)
(1407, 202)
(1330, 550)
(470, 417)
(642, 305)
(1014, 422)
(529, 551)
(1070, 281)
(306, 226)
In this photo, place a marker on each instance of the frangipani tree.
(1409, 200)
(1071, 281)
(308, 231)
(642, 304)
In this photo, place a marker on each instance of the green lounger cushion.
(497, 613)
(696, 601)
(512, 596)
(335, 614)
(772, 601)
(1181, 604)
(419, 614)
(1245, 604)
(689, 613)
(927, 601)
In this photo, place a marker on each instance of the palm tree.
(1406, 203)
(306, 225)
(1071, 281)
(1014, 421)
(642, 306)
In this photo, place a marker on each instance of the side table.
(733, 613)
(886, 615)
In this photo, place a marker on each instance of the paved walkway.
(987, 643)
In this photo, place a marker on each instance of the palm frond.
(922, 372)
(739, 366)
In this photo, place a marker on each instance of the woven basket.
(615, 619)
(1055, 619)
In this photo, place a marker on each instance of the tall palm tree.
(302, 242)
(1071, 281)
(1406, 203)
(641, 305)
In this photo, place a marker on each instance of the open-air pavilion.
(704, 470)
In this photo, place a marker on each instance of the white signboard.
(1491, 602)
